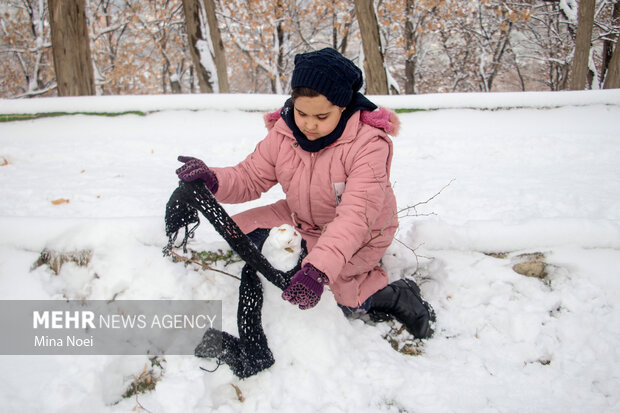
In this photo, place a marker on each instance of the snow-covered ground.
(541, 178)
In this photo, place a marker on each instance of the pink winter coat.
(340, 199)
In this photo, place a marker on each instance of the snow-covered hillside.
(501, 185)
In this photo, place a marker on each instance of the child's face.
(316, 117)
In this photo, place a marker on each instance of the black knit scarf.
(359, 102)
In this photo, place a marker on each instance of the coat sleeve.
(361, 214)
(250, 178)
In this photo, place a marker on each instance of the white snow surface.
(541, 177)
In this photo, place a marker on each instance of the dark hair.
(303, 91)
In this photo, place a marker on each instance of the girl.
(328, 149)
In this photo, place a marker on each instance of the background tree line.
(82, 47)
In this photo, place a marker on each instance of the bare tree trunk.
(219, 56)
(194, 34)
(608, 44)
(71, 48)
(517, 68)
(345, 39)
(498, 54)
(175, 85)
(585, 23)
(376, 78)
(409, 44)
(341, 45)
(191, 79)
(280, 33)
(612, 80)
(334, 30)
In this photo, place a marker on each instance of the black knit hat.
(329, 73)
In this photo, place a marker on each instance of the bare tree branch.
(205, 266)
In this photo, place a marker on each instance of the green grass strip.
(409, 110)
(29, 116)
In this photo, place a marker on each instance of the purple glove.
(196, 169)
(306, 287)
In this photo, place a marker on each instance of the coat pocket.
(338, 191)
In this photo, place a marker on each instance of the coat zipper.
(312, 160)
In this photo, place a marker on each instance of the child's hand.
(196, 169)
(306, 287)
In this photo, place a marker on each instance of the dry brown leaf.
(60, 201)
(240, 396)
(3, 161)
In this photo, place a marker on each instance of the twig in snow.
(205, 266)
(414, 207)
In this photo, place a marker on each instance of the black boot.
(402, 300)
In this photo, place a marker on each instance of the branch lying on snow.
(415, 253)
(205, 266)
(407, 210)
(414, 207)
(416, 214)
